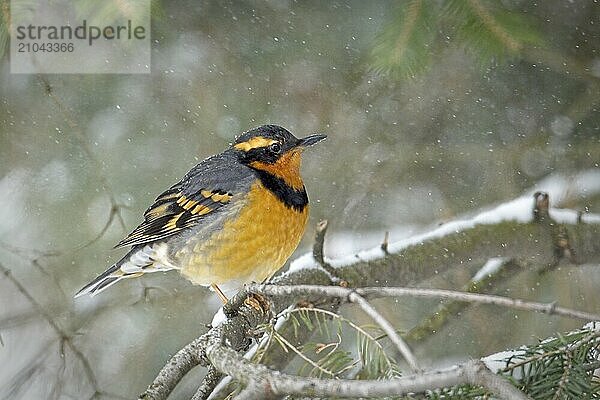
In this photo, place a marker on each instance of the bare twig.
(233, 332)
(479, 374)
(385, 243)
(231, 308)
(319, 241)
(318, 252)
(541, 206)
(33, 254)
(37, 306)
(374, 292)
(179, 365)
(387, 328)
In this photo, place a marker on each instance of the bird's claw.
(257, 302)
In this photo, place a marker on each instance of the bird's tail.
(138, 261)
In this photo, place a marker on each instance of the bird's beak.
(310, 140)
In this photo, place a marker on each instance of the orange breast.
(250, 247)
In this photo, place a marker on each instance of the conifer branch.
(492, 25)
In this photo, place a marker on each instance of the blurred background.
(433, 109)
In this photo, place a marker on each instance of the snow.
(218, 318)
(305, 261)
(365, 255)
(490, 268)
(591, 218)
(519, 210)
(254, 348)
(558, 187)
(13, 187)
(592, 325)
(497, 361)
(350, 241)
(283, 317)
(587, 182)
(563, 216)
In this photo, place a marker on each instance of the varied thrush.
(234, 218)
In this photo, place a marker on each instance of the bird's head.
(273, 149)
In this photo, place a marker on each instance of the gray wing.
(206, 190)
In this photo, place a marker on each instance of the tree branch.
(400, 344)
(506, 231)
(375, 292)
(440, 316)
(209, 383)
(318, 252)
(276, 383)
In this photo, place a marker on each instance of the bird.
(234, 218)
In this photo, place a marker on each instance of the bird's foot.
(257, 302)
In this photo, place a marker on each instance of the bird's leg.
(220, 293)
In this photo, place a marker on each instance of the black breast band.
(293, 198)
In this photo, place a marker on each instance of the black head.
(268, 143)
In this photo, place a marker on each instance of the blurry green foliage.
(4, 20)
(419, 28)
(404, 47)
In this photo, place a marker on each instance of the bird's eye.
(275, 148)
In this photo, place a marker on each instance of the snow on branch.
(525, 229)
(518, 210)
